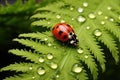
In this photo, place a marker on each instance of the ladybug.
(65, 33)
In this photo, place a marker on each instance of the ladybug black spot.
(60, 32)
(65, 36)
(57, 27)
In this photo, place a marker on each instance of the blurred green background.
(14, 19)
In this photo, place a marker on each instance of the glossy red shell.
(61, 31)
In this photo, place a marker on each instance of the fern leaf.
(92, 21)
(23, 67)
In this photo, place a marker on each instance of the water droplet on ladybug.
(41, 71)
(49, 56)
(53, 65)
(85, 4)
(41, 59)
(97, 33)
(92, 15)
(77, 68)
(80, 10)
(80, 51)
(81, 19)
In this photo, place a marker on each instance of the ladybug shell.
(61, 31)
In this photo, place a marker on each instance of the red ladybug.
(65, 33)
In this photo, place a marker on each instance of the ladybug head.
(72, 39)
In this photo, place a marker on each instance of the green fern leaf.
(94, 22)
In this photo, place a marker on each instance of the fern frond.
(93, 22)
(29, 55)
(19, 67)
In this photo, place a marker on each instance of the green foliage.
(94, 22)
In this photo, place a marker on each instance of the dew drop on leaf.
(41, 59)
(57, 76)
(102, 22)
(48, 22)
(106, 17)
(33, 77)
(30, 68)
(109, 7)
(88, 27)
(85, 4)
(111, 19)
(92, 15)
(41, 71)
(53, 65)
(45, 39)
(119, 17)
(86, 56)
(73, 19)
(99, 12)
(49, 56)
(49, 44)
(97, 33)
(80, 51)
(81, 19)
(80, 10)
(62, 21)
(77, 68)
(58, 16)
(71, 8)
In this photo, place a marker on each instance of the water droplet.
(88, 27)
(81, 19)
(111, 19)
(99, 12)
(49, 56)
(119, 17)
(80, 10)
(53, 65)
(102, 22)
(85, 4)
(77, 68)
(71, 8)
(58, 16)
(41, 59)
(33, 77)
(97, 33)
(49, 44)
(30, 68)
(62, 21)
(109, 7)
(57, 76)
(45, 39)
(73, 19)
(41, 71)
(48, 22)
(92, 15)
(106, 17)
(80, 50)
(86, 56)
